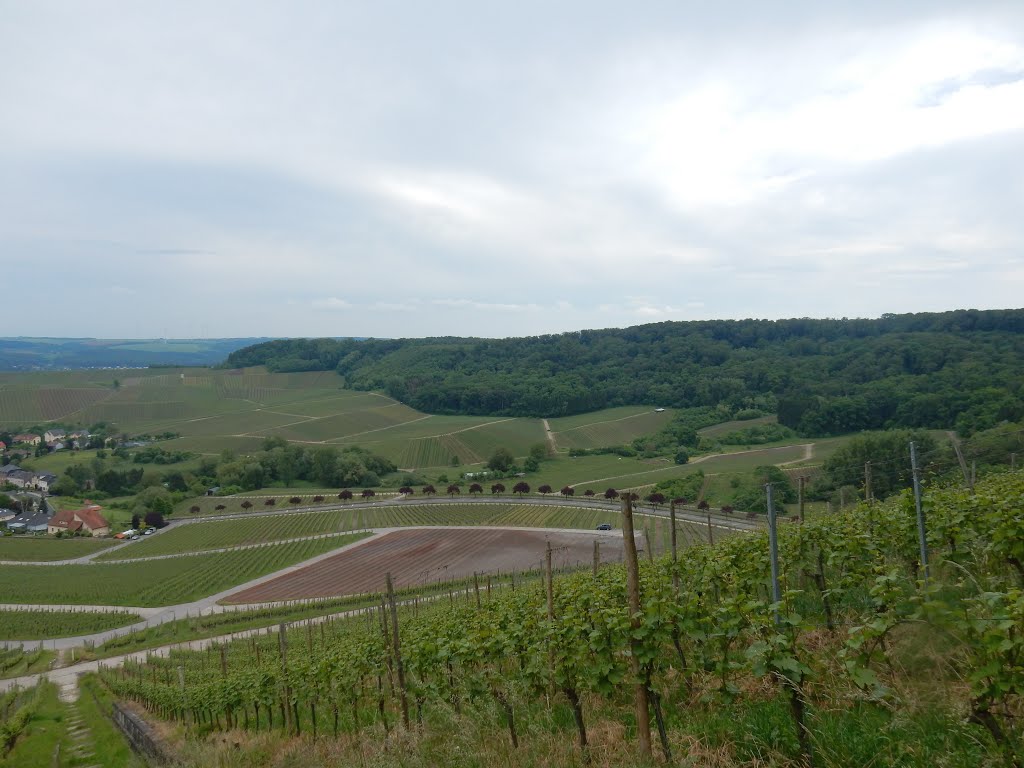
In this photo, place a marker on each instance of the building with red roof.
(85, 520)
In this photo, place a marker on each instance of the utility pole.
(921, 535)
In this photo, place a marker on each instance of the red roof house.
(86, 520)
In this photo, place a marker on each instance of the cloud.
(507, 170)
(332, 303)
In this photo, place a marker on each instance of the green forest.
(822, 377)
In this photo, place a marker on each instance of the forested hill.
(963, 368)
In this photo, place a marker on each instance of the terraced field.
(154, 582)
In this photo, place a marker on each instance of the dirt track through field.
(419, 556)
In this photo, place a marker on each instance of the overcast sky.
(481, 168)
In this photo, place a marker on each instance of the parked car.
(604, 527)
(148, 531)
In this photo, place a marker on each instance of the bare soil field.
(426, 555)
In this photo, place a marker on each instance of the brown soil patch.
(423, 556)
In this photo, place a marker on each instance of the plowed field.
(425, 555)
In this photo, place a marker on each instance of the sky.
(397, 169)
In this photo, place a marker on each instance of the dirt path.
(808, 455)
(550, 437)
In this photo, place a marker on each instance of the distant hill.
(23, 353)
(832, 376)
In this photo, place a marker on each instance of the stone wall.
(139, 734)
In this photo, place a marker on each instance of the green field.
(434, 441)
(39, 625)
(612, 426)
(195, 537)
(154, 582)
(44, 548)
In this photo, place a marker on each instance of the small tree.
(246, 505)
(194, 509)
(270, 503)
(155, 520)
(368, 493)
(611, 494)
(521, 488)
(295, 500)
(501, 460)
(476, 488)
(727, 510)
(453, 489)
(136, 519)
(545, 489)
(428, 490)
(220, 507)
(345, 495)
(656, 499)
(681, 501)
(568, 491)
(318, 499)
(497, 489)
(405, 490)
(589, 492)
(703, 505)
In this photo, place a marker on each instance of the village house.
(29, 522)
(45, 481)
(27, 438)
(21, 478)
(54, 435)
(85, 520)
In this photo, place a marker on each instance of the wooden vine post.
(675, 549)
(597, 555)
(643, 715)
(286, 709)
(396, 644)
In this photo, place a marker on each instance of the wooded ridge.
(934, 370)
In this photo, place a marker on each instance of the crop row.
(42, 624)
(155, 582)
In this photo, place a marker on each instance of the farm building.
(86, 520)
(27, 439)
